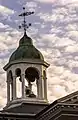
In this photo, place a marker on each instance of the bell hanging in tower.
(26, 66)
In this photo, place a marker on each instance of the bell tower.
(26, 75)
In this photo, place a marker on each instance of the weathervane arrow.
(26, 13)
(25, 25)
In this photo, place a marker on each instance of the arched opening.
(32, 76)
(18, 83)
(18, 73)
(10, 85)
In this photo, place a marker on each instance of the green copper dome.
(26, 50)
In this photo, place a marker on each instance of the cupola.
(26, 74)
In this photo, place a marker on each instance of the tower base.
(28, 106)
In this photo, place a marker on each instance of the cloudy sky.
(54, 32)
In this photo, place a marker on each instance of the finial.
(24, 24)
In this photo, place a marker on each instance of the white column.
(40, 87)
(8, 91)
(45, 88)
(23, 86)
(14, 87)
(37, 82)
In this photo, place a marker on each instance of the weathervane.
(25, 25)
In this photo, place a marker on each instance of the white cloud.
(72, 27)
(48, 17)
(33, 31)
(67, 1)
(31, 4)
(5, 10)
(46, 1)
(73, 35)
(2, 102)
(64, 42)
(3, 26)
(7, 41)
(56, 41)
(72, 48)
(59, 90)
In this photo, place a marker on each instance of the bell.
(27, 90)
(32, 95)
(31, 78)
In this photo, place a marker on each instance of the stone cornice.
(58, 109)
(18, 115)
(71, 98)
(27, 61)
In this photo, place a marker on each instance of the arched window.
(31, 75)
(10, 84)
(18, 73)
(18, 83)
